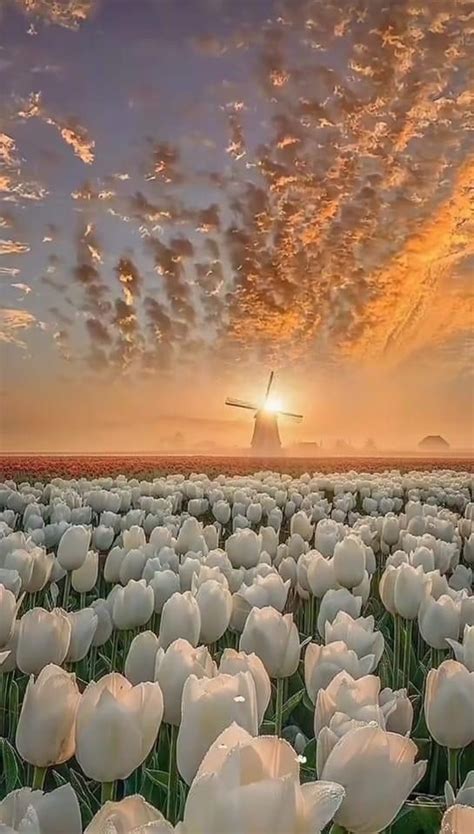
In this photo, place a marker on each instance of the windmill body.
(266, 436)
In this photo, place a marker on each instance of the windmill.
(266, 437)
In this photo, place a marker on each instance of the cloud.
(67, 13)
(12, 323)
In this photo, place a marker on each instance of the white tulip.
(84, 578)
(323, 663)
(104, 626)
(35, 812)
(164, 584)
(233, 662)
(209, 706)
(83, 627)
(8, 612)
(116, 727)
(141, 658)
(43, 638)
(180, 617)
(274, 639)
(172, 669)
(349, 561)
(132, 815)
(464, 652)
(449, 696)
(321, 575)
(438, 620)
(73, 547)
(243, 548)
(215, 607)
(250, 784)
(368, 756)
(410, 588)
(335, 601)
(358, 635)
(133, 605)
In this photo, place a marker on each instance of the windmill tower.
(266, 437)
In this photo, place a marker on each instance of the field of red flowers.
(39, 467)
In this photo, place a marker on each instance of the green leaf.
(11, 766)
(418, 818)
(291, 704)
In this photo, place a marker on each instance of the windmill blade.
(240, 404)
(269, 385)
(298, 417)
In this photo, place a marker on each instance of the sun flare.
(273, 404)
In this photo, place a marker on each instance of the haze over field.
(195, 192)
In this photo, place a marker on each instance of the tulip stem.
(39, 775)
(407, 653)
(434, 768)
(279, 706)
(396, 650)
(453, 768)
(107, 792)
(113, 656)
(66, 589)
(172, 773)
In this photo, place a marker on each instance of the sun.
(273, 404)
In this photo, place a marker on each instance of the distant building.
(433, 443)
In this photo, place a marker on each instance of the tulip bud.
(141, 658)
(215, 607)
(349, 561)
(261, 775)
(132, 815)
(301, 524)
(464, 653)
(27, 810)
(8, 611)
(11, 580)
(172, 669)
(438, 620)
(187, 569)
(398, 711)
(112, 565)
(43, 638)
(45, 731)
(164, 584)
(117, 726)
(449, 697)
(180, 618)
(323, 663)
(133, 605)
(321, 576)
(102, 537)
(410, 588)
(243, 548)
(233, 662)
(73, 547)
(104, 622)
(388, 759)
(132, 564)
(221, 512)
(209, 706)
(83, 627)
(84, 578)
(358, 635)
(390, 530)
(335, 601)
(274, 639)
(42, 569)
(325, 537)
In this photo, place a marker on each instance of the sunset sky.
(193, 192)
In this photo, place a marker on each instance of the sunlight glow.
(273, 404)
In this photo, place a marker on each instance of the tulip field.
(253, 652)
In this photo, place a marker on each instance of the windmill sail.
(266, 436)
